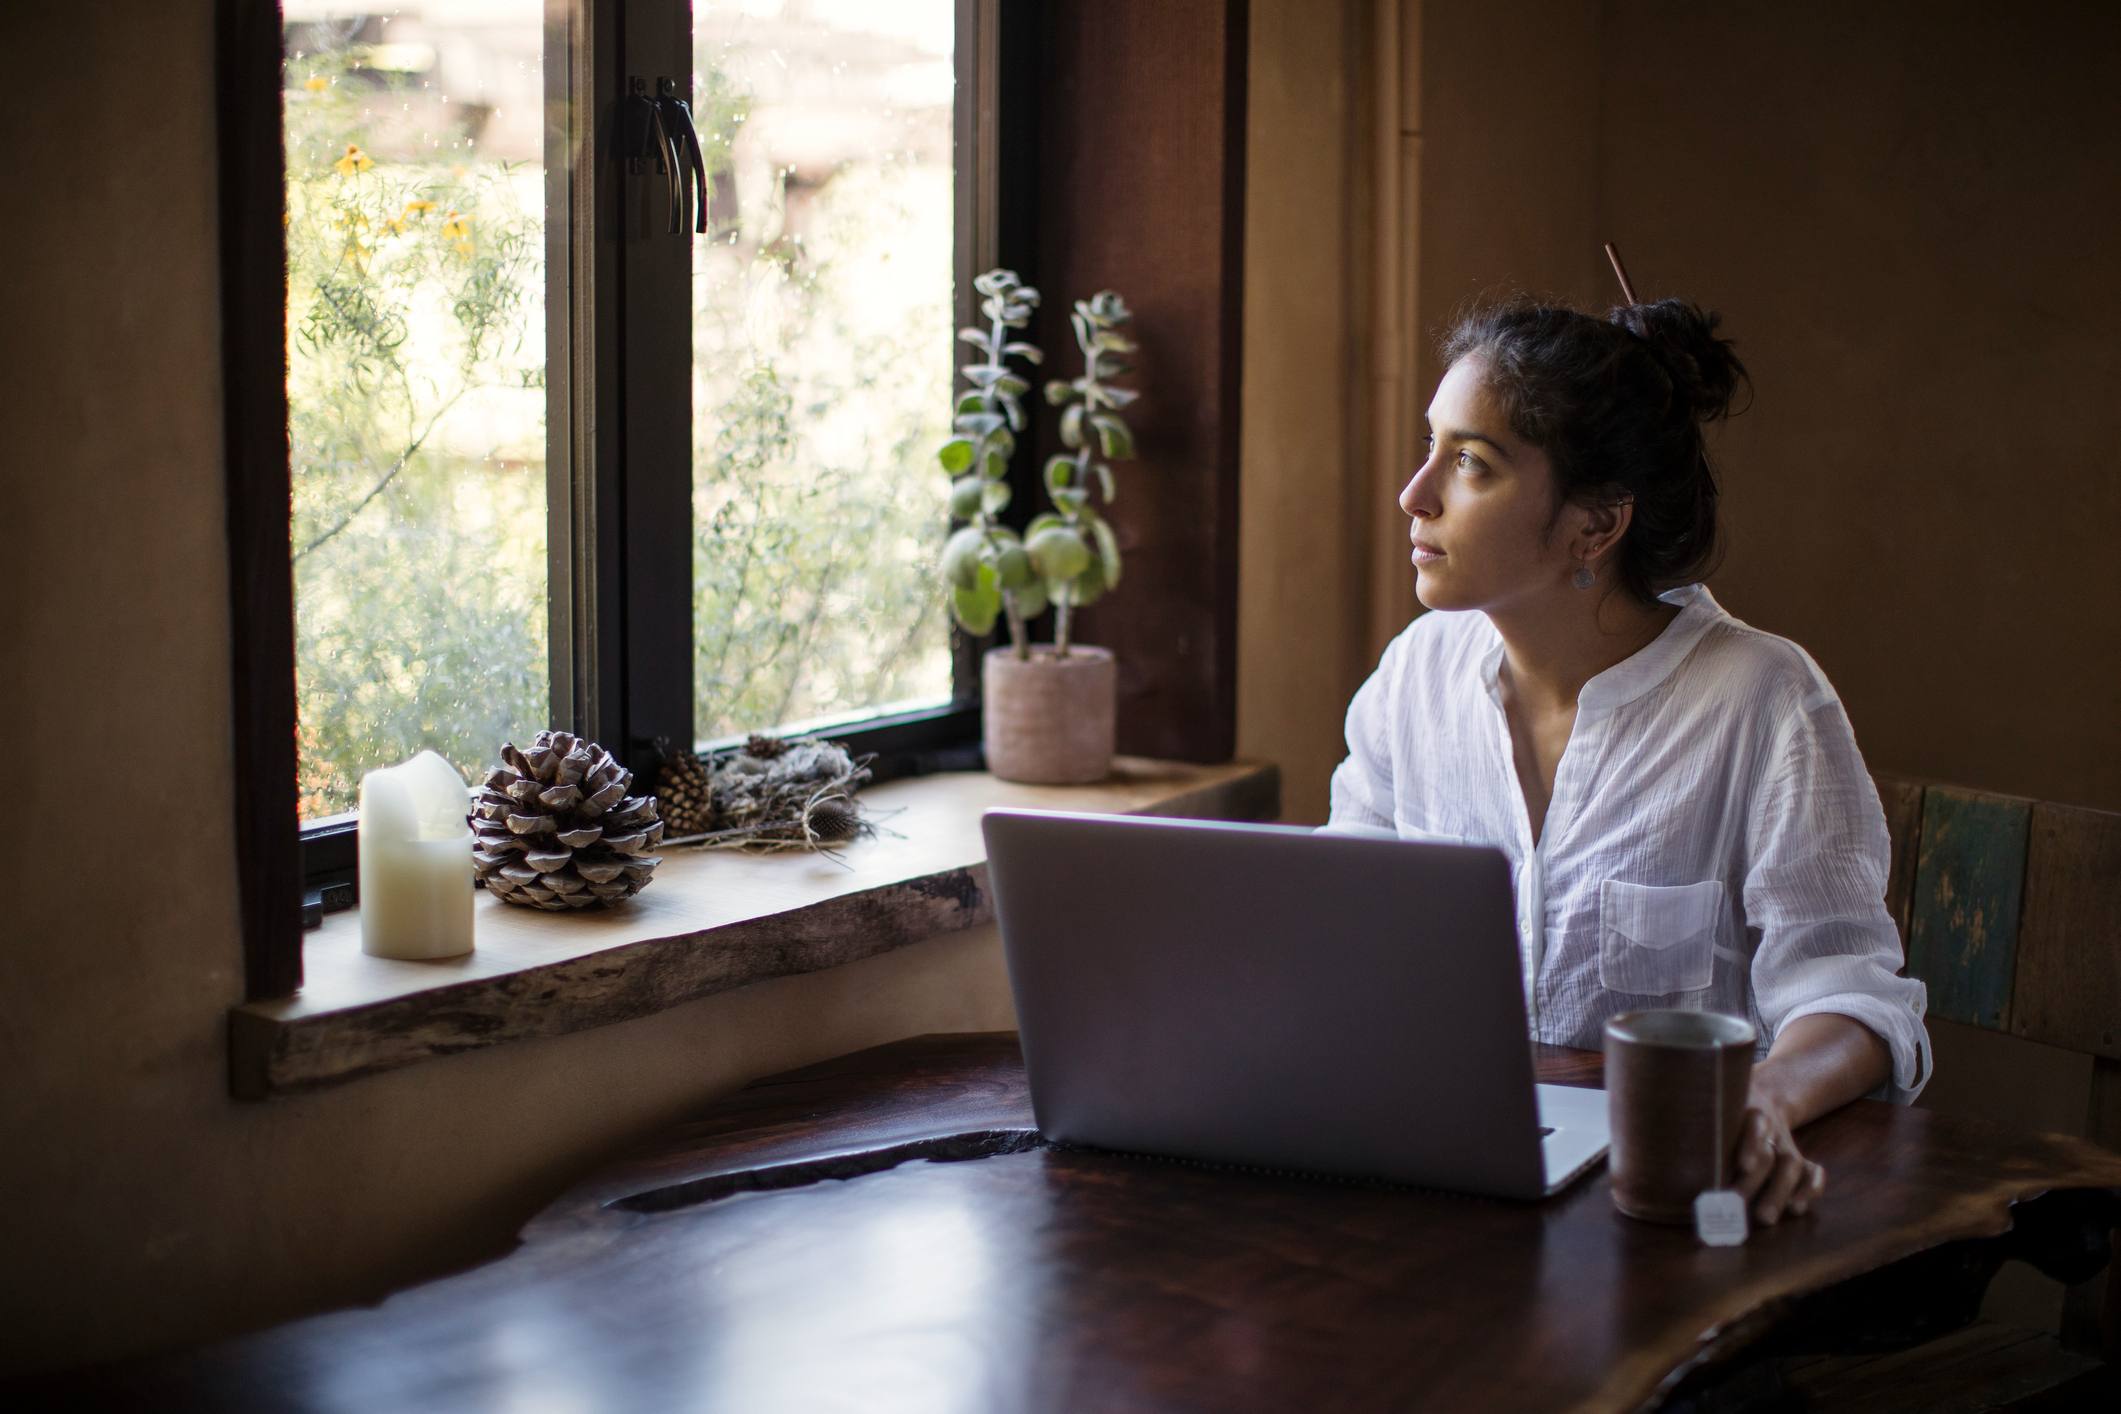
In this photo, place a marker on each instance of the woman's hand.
(1818, 1063)
(1773, 1176)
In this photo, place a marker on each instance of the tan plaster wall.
(140, 1207)
(1905, 212)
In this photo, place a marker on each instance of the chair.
(2011, 910)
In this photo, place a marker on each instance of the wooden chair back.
(2011, 912)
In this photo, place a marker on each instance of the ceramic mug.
(1676, 1085)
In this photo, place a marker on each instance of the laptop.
(1267, 996)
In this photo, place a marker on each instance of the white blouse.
(1713, 842)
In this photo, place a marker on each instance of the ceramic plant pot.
(1049, 720)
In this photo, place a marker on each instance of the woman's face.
(1482, 505)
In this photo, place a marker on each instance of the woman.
(1680, 795)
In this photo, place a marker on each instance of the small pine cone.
(765, 748)
(553, 827)
(833, 820)
(686, 789)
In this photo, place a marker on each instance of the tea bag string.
(1716, 1125)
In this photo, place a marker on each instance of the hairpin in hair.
(1627, 291)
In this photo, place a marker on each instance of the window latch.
(660, 129)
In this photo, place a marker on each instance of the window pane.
(821, 364)
(416, 377)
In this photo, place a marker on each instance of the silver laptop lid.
(1265, 995)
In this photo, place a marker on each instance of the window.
(702, 394)
(744, 539)
(422, 162)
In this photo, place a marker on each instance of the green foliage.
(1071, 552)
(1083, 573)
(815, 506)
(984, 563)
(414, 290)
(1058, 554)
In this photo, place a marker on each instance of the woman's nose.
(1415, 499)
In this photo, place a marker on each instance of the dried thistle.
(832, 819)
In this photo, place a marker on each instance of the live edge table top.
(795, 1248)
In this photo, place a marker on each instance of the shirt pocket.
(1657, 939)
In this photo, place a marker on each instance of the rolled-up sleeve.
(1817, 858)
(1361, 789)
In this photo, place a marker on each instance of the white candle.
(415, 861)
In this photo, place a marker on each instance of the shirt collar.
(1632, 676)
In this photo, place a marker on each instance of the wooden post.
(1142, 148)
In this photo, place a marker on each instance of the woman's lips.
(1426, 554)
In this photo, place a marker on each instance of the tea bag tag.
(1719, 1217)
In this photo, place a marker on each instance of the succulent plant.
(985, 563)
(1066, 556)
(1072, 547)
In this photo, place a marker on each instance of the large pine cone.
(553, 827)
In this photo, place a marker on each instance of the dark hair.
(1618, 405)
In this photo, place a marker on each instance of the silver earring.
(1583, 578)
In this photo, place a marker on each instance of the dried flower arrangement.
(770, 794)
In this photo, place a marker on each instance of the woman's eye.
(1467, 461)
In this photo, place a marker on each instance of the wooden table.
(789, 1250)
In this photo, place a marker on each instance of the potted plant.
(1049, 708)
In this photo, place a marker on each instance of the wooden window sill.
(711, 920)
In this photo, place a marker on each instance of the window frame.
(618, 428)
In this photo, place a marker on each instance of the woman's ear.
(1602, 526)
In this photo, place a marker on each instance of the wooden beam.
(260, 494)
(1142, 159)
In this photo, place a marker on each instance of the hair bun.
(1705, 373)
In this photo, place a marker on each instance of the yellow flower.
(457, 227)
(316, 83)
(463, 247)
(418, 208)
(354, 161)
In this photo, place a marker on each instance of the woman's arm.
(1824, 976)
(1818, 1064)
